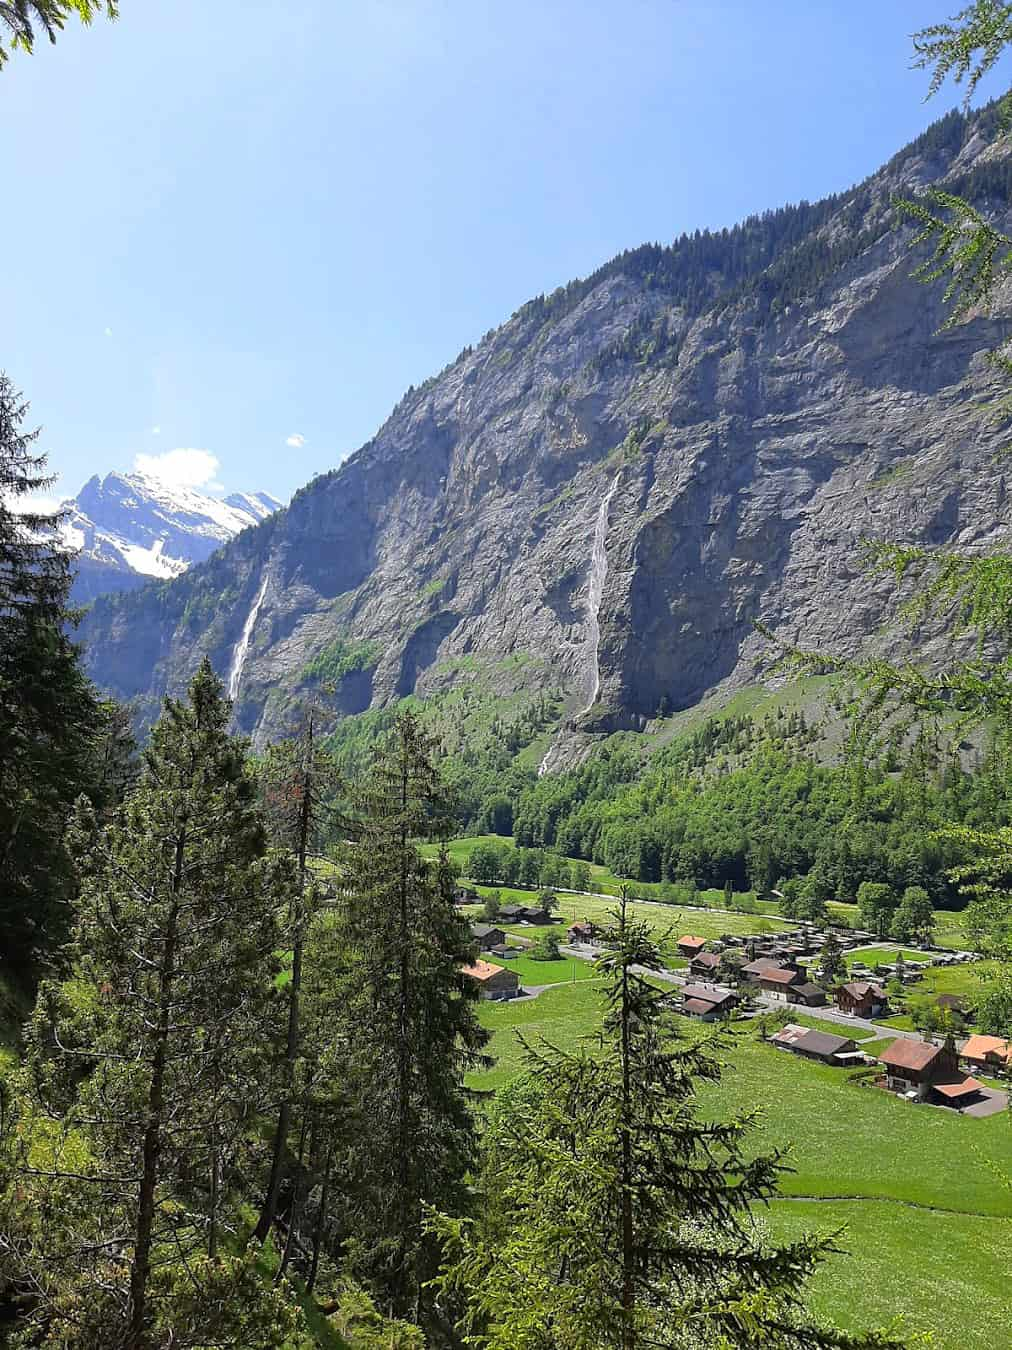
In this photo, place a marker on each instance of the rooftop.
(780, 976)
(979, 1046)
(481, 970)
(860, 989)
(907, 1054)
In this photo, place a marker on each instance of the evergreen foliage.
(144, 1066)
(24, 20)
(56, 737)
(410, 1014)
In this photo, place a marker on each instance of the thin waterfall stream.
(242, 646)
(591, 683)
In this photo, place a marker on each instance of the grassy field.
(919, 1189)
(963, 981)
(663, 919)
(546, 972)
(946, 1272)
(949, 928)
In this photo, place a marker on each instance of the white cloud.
(42, 502)
(108, 332)
(295, 441)
(181, 468)
(156, 431)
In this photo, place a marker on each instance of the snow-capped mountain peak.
(127, 528)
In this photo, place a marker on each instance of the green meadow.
(923, 1194)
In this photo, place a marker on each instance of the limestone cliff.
(620, 480)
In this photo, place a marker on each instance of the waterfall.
(242, 646)
(591, 684)
(595, 592)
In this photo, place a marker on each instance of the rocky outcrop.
(752, 422)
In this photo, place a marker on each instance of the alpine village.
(549, 885)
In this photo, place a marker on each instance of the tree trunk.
(628, 1250)
(284, 1123)
(140, 1268)
(293, 1218)
(321, 1216)
(403, 1056)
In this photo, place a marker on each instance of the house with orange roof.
(493, 981)
(988, 1052)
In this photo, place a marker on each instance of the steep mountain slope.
(603, 495)
(127, 528)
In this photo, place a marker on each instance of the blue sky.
(245, 228)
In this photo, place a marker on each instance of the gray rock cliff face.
(750, 441)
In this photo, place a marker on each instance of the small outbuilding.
(690, 946)
(504, 951)
(487, 935)
(821, 1045)
(809, 995)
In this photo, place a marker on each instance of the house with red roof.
(861, 999)
(928, 1073)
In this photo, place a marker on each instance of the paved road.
(828, 1014)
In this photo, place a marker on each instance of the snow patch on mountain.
(128, 528)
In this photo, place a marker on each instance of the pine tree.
(297, 778)
(51, 724)
(612, 1212)
(831, 961)
(145, 1067)
(25, 19)
(410, 1016)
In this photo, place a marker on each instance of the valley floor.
(923, 1194)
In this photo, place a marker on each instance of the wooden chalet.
(858, 998)
(927, 1072)
(690, 946)
(705, 965)
(493, 981)
(582, 932)
(534, 914)
(778, 982)
(708, 1002)
(487, 935)
(756, 968)
(991, 1053)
